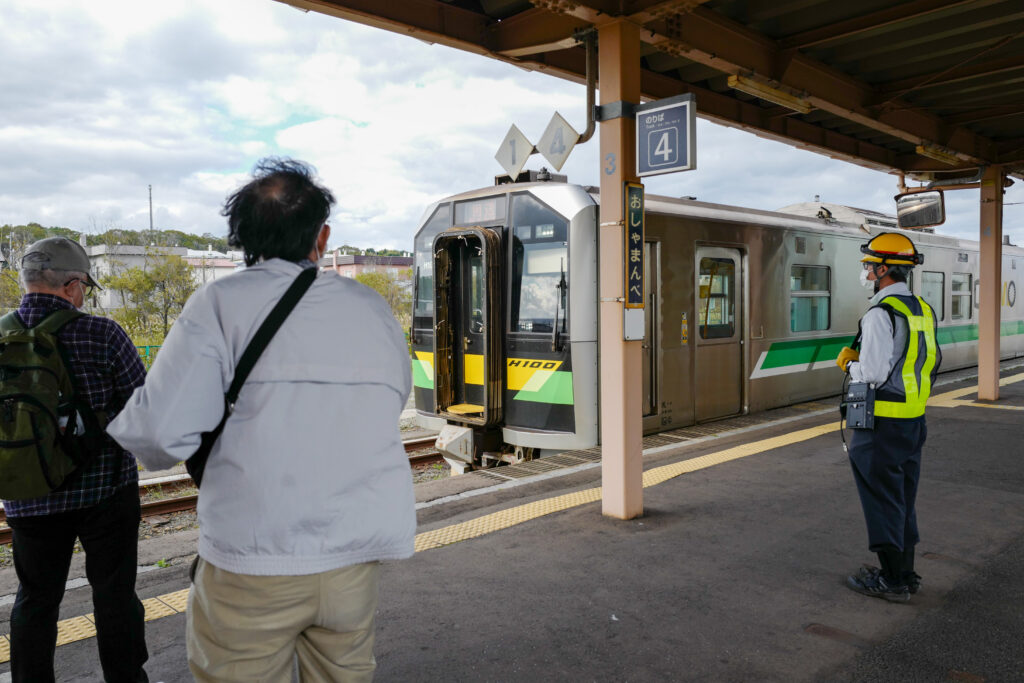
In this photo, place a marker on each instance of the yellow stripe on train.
(528, 373)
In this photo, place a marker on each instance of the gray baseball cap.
(58, 253)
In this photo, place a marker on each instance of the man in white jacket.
(308, 486)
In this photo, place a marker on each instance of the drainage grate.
(565, 460)
(656, 440)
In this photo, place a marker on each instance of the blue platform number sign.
(665, 136)
(634, 247)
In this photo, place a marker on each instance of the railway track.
(421, 452)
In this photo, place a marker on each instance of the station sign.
(515, 149)
(557, 142)
(666, 136)
(634, 246)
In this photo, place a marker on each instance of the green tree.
(151, 296)
(395, 288)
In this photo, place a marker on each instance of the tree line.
(148, 298)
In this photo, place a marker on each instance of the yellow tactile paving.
(72, 630)
(5, 649)
(178, 601)
(951, 399)
(155, 609)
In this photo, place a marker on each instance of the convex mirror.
(920, 209)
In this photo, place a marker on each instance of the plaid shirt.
(106, 370)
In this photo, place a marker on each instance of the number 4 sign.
(666, 136)
(557, 142)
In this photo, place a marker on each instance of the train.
(745, 310)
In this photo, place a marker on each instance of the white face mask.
(865, 282)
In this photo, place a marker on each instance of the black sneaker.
(912, 579)
(874, 585)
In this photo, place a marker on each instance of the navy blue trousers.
(887, 466)
(43, 547)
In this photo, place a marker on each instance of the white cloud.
(105, 98)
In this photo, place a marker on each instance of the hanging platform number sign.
(666, 136)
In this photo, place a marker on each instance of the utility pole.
(150, 208)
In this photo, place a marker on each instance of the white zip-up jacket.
(309, 474)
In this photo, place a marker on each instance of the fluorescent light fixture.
(770, 94)
(933, 152)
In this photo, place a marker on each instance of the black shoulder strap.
(197, 463)
(57, 319)
(266, 332)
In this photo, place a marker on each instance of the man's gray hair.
(49, 279)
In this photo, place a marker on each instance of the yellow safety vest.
(905, 392)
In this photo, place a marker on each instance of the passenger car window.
(962, 294)
(716, 305)
(933, 290)
(810, 300)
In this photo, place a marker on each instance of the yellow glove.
(846, 356)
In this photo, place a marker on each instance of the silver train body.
(746, 310)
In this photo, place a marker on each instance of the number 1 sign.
(666, 136)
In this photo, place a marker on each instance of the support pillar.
(621, 424)
(990, 282)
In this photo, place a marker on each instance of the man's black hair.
(897, 272)
(279, 213)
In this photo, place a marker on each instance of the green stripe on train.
(804, 351)
(557, 389)
(419, 376)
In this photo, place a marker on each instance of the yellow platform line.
(951, 399)
(83, 627)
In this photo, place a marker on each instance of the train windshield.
(539, 267)
(440, 220)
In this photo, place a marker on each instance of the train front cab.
(504, 336)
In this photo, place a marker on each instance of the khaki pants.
(248, 628)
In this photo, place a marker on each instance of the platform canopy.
(920, 87)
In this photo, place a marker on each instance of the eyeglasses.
(87, 289)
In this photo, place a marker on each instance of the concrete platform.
(735, 571)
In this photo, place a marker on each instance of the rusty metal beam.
(532, 32)
(868, 22)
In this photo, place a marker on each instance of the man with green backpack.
(63, 376)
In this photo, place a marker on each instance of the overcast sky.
(102, 98)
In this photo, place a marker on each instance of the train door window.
(933, 291)
(717, 305)
(962, 295)
(810, 300)
(539, 272)
(423, 267)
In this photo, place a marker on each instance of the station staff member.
(308, 486)
(899, 356)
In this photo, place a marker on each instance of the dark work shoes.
(869, 581)
(912, 579)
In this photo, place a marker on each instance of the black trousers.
(43, 547)
(887, 467)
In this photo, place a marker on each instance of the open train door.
(719, 338)
(468, 353)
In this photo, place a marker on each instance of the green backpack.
(41, 438)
